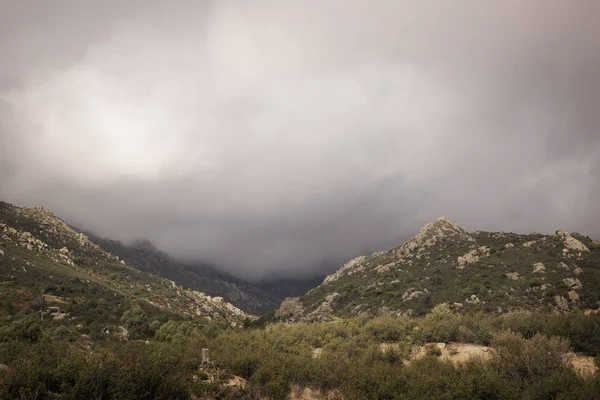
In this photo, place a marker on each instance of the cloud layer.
(269, 136)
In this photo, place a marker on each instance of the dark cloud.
(269, 136)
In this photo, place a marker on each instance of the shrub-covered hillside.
(72, 283)
(470, 271)
(143, 255)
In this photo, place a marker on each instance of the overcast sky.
(268, 136)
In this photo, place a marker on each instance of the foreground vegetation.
(165, 363)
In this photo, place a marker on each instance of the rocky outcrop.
(473, 256)
(325, 309)
(351, 267)
(573, 295)
(572, 244)
(411, 294)
(561, 303)
(564, 266)
(573, 283)
(539, 268)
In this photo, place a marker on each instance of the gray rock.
(513, 276)
(573, 295)
(573, 283)
(561, 303)
(539, 268)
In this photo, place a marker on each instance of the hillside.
(144, 256)
(470, 271)
(48, 267)
(81, 323)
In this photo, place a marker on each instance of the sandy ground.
(455, 353)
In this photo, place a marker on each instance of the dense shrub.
(354, 358)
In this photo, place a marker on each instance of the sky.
(271, 137)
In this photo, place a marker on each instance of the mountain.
(47, 266)
(144, 256)
(469, 271)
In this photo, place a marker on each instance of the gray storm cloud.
(269, 136)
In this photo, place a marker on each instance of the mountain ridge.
(143, 255)
(45, 262)
(469, 270)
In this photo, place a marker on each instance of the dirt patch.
(237, 382)
(455, 353)
(458, 353)
(585, 366)
(305, 393)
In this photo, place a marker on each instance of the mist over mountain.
(265, 137)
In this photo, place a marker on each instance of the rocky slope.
(144, 256)
(46, 265)
(470, 271)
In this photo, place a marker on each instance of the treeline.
(342, 358)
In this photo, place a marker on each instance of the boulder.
(539, 268)
(513, 276)
(561, 303)
(573, 283)
(573, 295)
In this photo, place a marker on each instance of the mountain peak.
(433, 233)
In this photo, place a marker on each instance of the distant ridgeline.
(143, 255)
(469, 271)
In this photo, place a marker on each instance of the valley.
(450, 314)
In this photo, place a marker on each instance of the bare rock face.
(561, 303)
(577, 271)
(1, 253)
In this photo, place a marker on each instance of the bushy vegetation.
(344, 358)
